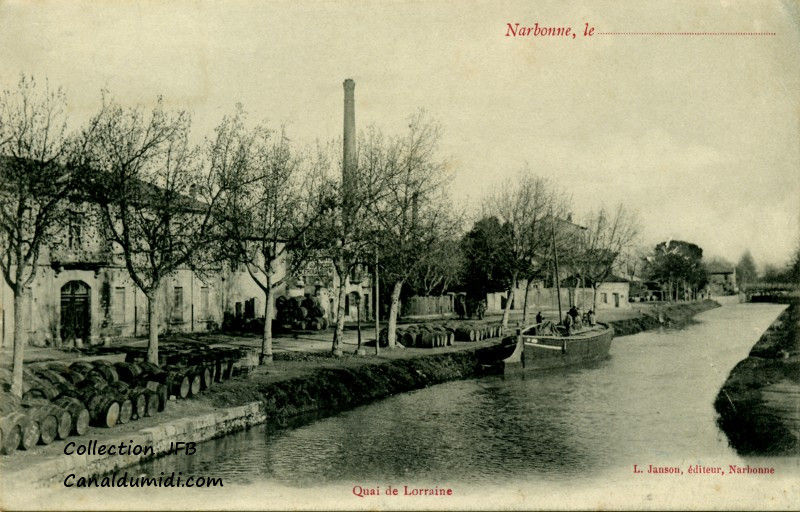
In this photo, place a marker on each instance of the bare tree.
(523, 205)
(344, 235)
(414, 214)
(439, 267)
(35, 179)
(607, 237)
(155, 196)
(269, 208)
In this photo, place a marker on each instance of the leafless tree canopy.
(36, 163)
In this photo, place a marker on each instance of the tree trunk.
(338, 333)
(594, 298)
(392, 329)
(509, 300)
(152, 327)
(19, 342)
(525, 304)
(377, 310)
(266, 339)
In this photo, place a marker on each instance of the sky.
(698, 134)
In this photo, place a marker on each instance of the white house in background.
(611, 294)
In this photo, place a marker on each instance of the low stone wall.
(759, 404)
(193, 429)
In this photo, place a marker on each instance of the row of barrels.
(30, 421)
(476, 332)
(188, 353)
(441, 335)
(60, 400)
(425, 336)
(99, 393)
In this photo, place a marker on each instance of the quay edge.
(242, 403)
(759, 404)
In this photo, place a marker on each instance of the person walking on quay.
(539, 317)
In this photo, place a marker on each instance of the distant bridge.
(770, 292)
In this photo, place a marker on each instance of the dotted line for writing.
(686, 33)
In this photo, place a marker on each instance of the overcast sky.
(701, 135)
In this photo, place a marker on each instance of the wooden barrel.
(151, 403)
(195, 380)
(78, 414)
(178, 384)
(218, 367)
(125, 397)
(52, 377)
(107, 370)
(64, 421)
(128, 372)
(47, 423)
(138, 400)
(103, 409)
(125, 410)
(40, 409)
(427, 340)
(205, 376)
(162, 393)
(227, 371)
(11, 428)
(93, 380)
(82, 367)
(34, 387)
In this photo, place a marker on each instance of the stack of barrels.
(471, 331)
(193, 366)
(41, 416)
(59, 400)
(431, 335)
(425, 336)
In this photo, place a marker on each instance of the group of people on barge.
(574, 320)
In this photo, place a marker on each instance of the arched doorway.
(75, 311)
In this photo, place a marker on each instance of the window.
(177, 304)
(73, 230)
(118, 306)
(604, 296)
(204, 311)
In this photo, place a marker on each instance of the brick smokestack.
(349, 139)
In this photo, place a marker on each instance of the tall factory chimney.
(349, 139)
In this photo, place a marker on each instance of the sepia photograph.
(400, 255)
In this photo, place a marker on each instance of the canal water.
(651, 402)
(564, 438)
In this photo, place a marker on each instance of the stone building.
(721, 278)
(82, 292)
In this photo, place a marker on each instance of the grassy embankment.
(307, 383)
(759, 404)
